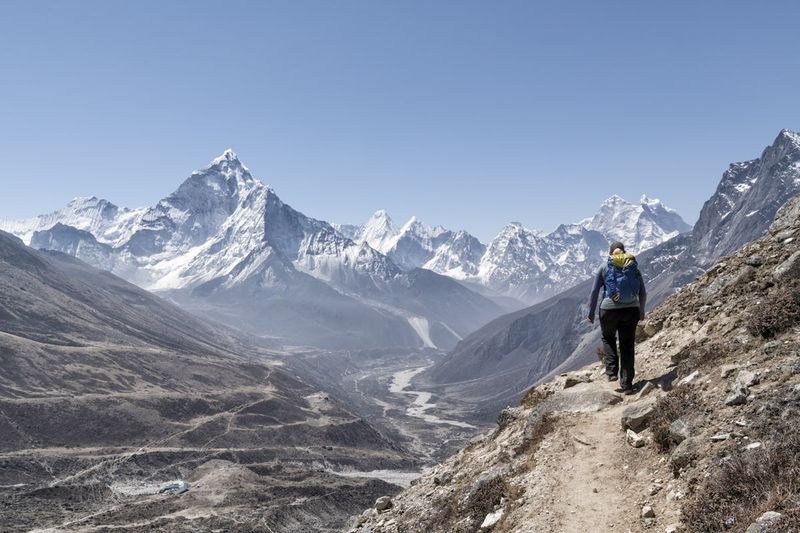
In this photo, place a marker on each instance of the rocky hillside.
(498, 362)
(709, 443)
(107, 391)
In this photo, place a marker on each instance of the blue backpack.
(622, 283)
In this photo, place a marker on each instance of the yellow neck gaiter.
(622, 260)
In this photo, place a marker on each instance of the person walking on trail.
(621, 308)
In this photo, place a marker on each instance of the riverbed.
(422, 402)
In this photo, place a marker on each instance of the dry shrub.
(778, 313)
(748, 484)
(533, 398)
(448, 513)
(703, 355)
(538, 428)
(485, 498)
(669, 408)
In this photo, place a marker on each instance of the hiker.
(621, 308)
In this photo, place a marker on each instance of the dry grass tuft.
(748, 484)
(703, 355)
(778, 313)
(534, 397)
(669, 408)
(485, 499)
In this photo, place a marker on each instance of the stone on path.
(637, 415)
(634, 439)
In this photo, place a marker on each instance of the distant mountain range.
(224, 245)
(495, 364)
(526, 265)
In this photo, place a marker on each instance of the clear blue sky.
(467, 114)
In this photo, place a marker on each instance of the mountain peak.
(788, 136)
(378, 232)
(640, 226)
(228, 155)
(381, 214)
(615, 199)
(646, 200)
(229, 164)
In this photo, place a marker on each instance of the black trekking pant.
(622, 322)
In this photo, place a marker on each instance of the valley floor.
(294, 481)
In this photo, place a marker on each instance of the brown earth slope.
(107, 391)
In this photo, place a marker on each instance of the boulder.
(491, 519)
(507, 416)
(498, 472)
(582, 398)
(443, 479)
(384, 503)
(754, 260)
(690, 378)
(647, 388)
(637, 415)
(747, 378)
(679, 431)
(648, 512)
(789, 269)
(738, 395)
(685, 454)
(573, 380)
(727, 370)
(764, 523)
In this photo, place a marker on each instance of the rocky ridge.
(708, 443)
(504, 358)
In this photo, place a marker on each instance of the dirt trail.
(593, 492)
(585, 478)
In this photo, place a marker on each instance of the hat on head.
(614, 246)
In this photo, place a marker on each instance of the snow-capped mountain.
(529, 266)
(379, 232)
(458, 257)
(640, 226)
(518, 349)
(226, 245)
(92, 214)
(410, 246)
(523, 264)
(749, 195)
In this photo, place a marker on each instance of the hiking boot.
(612, 377)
